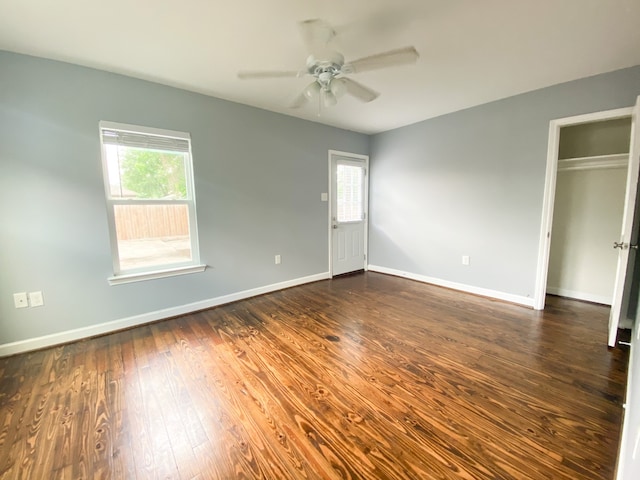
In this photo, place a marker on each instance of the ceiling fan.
(329, 70)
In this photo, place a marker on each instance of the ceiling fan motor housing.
(327, 68)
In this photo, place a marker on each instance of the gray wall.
(258, 176)
(472, 183)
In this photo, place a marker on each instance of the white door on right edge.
(348, 201)
(624, 244)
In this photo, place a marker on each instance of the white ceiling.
(471, 51)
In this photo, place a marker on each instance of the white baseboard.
(485, 292)
(109, 327)
(589, 297)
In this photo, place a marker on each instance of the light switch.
(324, 197)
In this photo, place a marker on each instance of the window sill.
(139, 277)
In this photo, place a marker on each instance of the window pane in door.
(349, 195)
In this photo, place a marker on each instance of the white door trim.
(359, 157)
(544, 245)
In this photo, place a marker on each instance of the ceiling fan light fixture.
(338, 87)
(312, 90)
(328, 98)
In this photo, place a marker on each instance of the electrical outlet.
(278, 259)
(465, 259)
(20, 300)
(36, 299)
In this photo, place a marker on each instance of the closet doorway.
(580, 155)
(588, 209)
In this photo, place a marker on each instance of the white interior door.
(617, 311)
(348, 213)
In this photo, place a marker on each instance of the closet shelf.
(617, 160)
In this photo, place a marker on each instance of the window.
(148, 179)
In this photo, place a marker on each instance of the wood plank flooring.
(361, 377)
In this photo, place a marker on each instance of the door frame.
(544, 246)
(359, 158)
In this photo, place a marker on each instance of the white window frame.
(157, 271)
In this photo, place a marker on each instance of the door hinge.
(365, 256)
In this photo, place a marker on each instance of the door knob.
(620, 245)
(635, 247)
(335, 226)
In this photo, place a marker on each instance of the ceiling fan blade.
(359, 91)
(259, 74)
(316, 34)
(401, 56)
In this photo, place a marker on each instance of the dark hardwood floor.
(362, 377)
